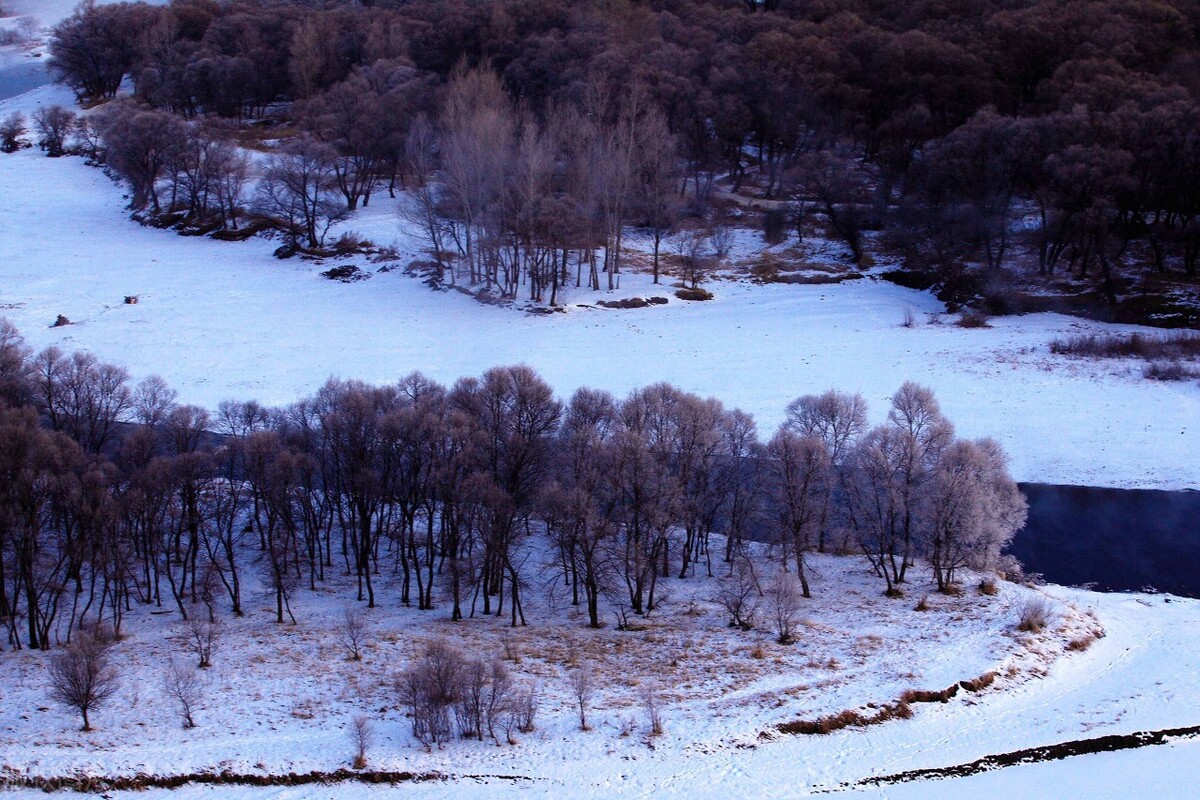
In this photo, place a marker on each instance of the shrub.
(1035, 615)
(522, 711)
(651, 699)
(774, 226)
(346, 273)
(350, 243)
(847, 719)
(1081, 643)
(1170, 371)
(430, 687)
(784, 603)
(970, 318)
(628, 302)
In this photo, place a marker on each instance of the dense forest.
(986, 142)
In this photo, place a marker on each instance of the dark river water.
(1112, 539)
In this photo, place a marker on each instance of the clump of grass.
(694, 294)
(979, 684)
(1080, 644)
(847, 719)
(971, 318)
(922, 604)
(1035, 615)
(988, 587)
(628, 302)
(1170, 346)
(929, 695)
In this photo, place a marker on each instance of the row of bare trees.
(506, 198)
(463, 497)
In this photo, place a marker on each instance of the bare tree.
(471, 698)
(739, 593)
(659, 172)
(353, 632)
(694, 259)
(53, 125)
(478, 133)
(183, 685)
(362, 736)
(498, 696)
(82, 676)
(299, 188)
(82, 396)
(784, 598)
(139, 144)
(421, 207)
(582, 688)
(799, 466)
(203, 631)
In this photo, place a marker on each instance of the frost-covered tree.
(973, 509)
(799, 476)
(838, 419)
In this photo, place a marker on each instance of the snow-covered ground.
(224, 320)
(278, 697)
(269, 711)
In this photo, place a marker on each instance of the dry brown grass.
(979, 684)
(847, 719)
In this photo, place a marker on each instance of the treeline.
(941, 123)
(462, 498)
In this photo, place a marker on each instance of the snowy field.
(224, 320)
(259, 718)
